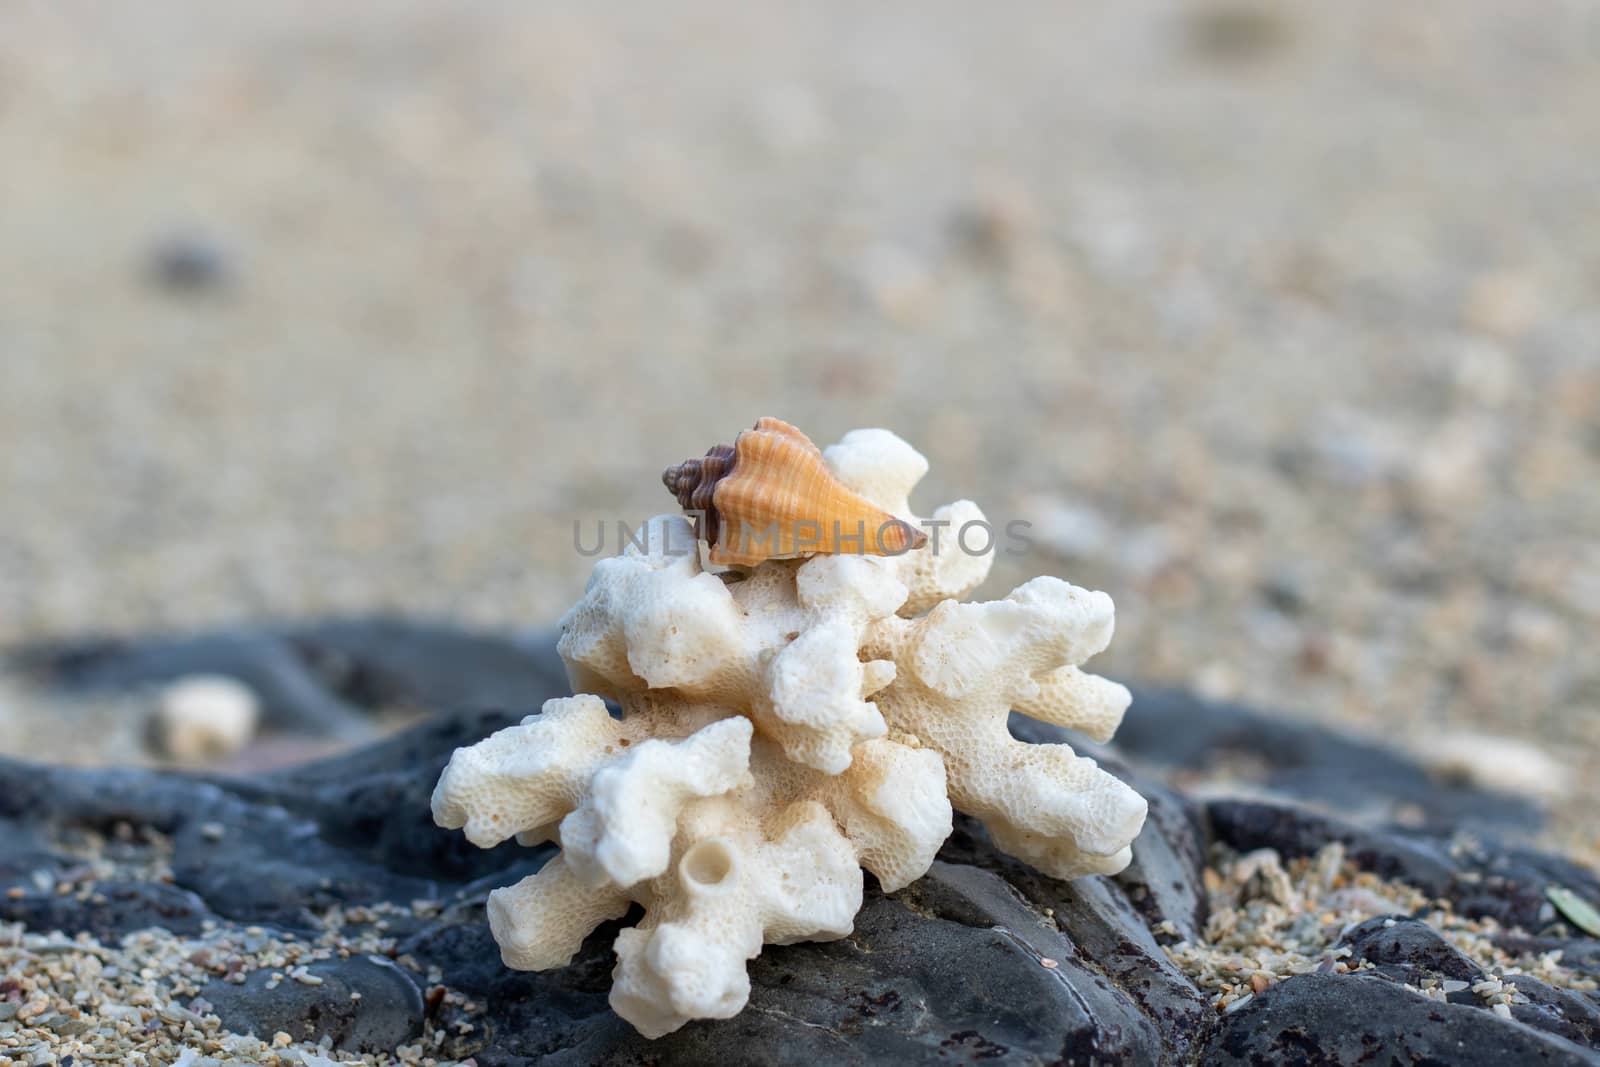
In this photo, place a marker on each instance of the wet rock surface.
(1177, 730)
(1319, 1019)
(983, 960)
(1412, 949)
(363, 1004)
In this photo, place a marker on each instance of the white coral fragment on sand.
(204, 717)
(784, 726)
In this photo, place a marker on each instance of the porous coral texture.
(783, 727)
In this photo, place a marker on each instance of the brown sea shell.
(770, 496)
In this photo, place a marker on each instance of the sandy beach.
(1277, 322)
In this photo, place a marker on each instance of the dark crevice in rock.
(1479, 878)
(1164, 880)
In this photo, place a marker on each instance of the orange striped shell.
(771, 496)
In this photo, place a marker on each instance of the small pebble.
(1236, 1005)
(204, 717)
(188, 263)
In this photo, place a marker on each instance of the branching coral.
(784, 726)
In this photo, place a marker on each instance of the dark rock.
(1509, 882)
(1581, 954)
(954, 974)
(1417, 859)
(1324, 1019)
(1574, 1016)
(1164, 879)
(50, 800)
(114, 908)
(984, 959)
(1174, 729)
(1411, 946)
(374, 803)
(953, 968)
(324, 677)
(1103, 926)
(388, 1011)
(459, 943)
(1101, 1019)
(26, 854)
(270, 866)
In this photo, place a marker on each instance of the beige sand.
(1278, 321)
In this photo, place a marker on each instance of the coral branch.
(730, 894)
(622, 831)
(541, 921)
(525, 778)
(1084, 702)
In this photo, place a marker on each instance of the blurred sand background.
(1279, 321)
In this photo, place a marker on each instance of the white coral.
(784, 727)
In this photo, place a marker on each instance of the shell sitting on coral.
(770, 496)
(780, 732)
